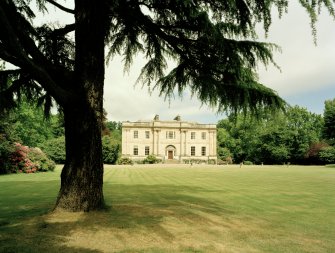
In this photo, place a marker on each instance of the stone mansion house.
(169, 140)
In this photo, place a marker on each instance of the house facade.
(169, 140)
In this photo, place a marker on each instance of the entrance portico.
(170, 152)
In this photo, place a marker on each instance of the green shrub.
(227, 160)
(327, 154)
(125, 161)
(110, 150)
(6, 148)
(196, 161)
(139, 161)
(248, 163)
(55, 149)
(221, 162)
(212, 161)
(224, 154)
(151, 159)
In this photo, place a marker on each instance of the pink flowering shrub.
(29, 160)
(19, 159)
(40, 160)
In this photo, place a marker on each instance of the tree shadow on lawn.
(134, 211)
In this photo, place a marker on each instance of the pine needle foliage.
(212, 45)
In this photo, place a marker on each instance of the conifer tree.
(213, 44)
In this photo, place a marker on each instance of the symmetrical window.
(147, 150)
(135, 150)
(147, 134)
(203, 135)
(203, 151)
(135, 134)
(170, 135)
(192, 151)
(192, 135)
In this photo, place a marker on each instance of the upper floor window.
(135, 134)
(192, 151)
(147, 134)
(203, 135)
(192, 135)
(170, 135)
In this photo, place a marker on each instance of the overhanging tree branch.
(64, 30)
(61, 7)
(26, 55)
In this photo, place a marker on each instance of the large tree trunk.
(82, 175)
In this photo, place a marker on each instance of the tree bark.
(82, 176)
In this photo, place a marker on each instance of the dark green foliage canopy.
(329, 118)
(213, 45)
(273, 139)
(28, 125)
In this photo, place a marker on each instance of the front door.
(170, 154)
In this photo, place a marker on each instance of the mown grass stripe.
(177, 209)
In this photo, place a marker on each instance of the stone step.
(171, 161)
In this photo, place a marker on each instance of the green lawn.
(177, 209)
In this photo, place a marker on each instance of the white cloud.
(305, 66)
(125, 101)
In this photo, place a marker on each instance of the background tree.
(30, 126)
(111, 141)
(110, 149)
(55, 149)
(329, 118)
(272, 139)
(224, 140)
(314, 153)
(303, 128)
(213, 44)
(7, 138)
(272, 145)
(327, 155)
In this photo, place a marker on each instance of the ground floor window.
(147, 150)
(192, 151)
(203, 151)
(135, 150)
